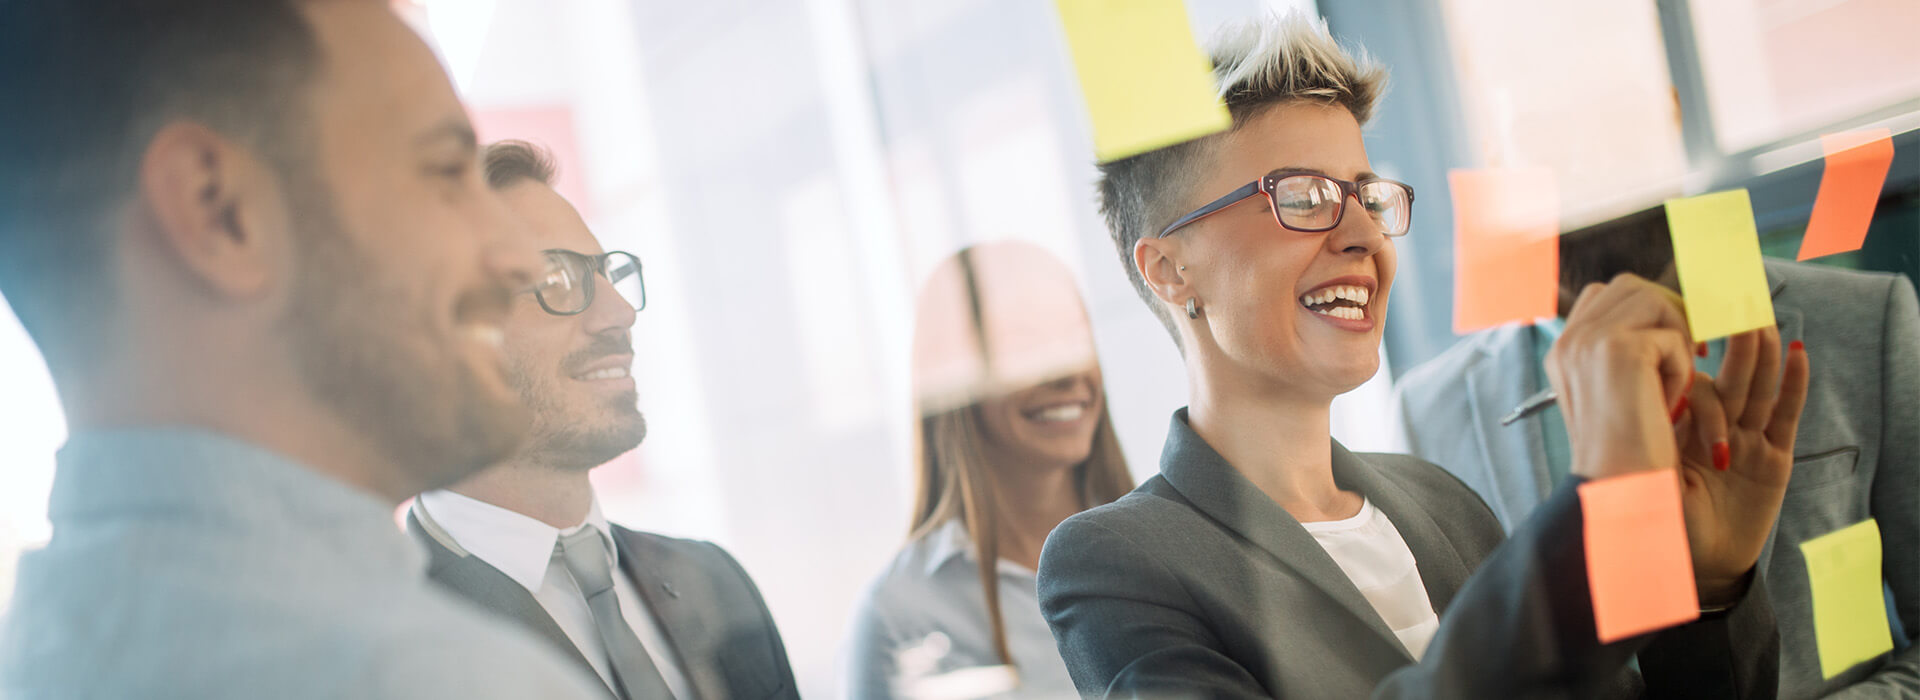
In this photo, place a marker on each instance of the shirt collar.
(950, 541)
(221, 482)
(519, 546)
(1550, 328)
(946, 543)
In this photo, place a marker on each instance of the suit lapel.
(644, 563)
(1514, 457)
(479, 582)
(1442, 571)
(1206, 479)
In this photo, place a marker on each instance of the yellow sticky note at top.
(1849, 614)
(1716, 249)
(1146, 82)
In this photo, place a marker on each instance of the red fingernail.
(1700, 349)
(1796, 345)
(1678, 409)
(1722, 455)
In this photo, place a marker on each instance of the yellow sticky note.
(1146, 82)
(1717, 251)
(1849, 614)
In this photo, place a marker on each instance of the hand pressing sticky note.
(1146, 82)
(1638, 565)
(1717, 252)
(1849, 615)
(1506, 246)
(1857, 165)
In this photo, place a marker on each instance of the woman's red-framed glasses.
(1314, 203)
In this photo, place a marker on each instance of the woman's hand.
(1736, 454)
(1620, 367)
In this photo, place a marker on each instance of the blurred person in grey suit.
(1857, 455)
(651, 616)
(251, 239)
(1266, 560)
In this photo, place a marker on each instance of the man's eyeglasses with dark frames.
(567, 286)
(1314, 203)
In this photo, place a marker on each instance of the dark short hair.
(84, 87)
(1639, 243)
(513, 160)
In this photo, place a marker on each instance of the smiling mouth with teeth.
(1062, 413)
(1344, 301)
(608, 373)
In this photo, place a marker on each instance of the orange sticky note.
(1506, 246)
(1857, 164)
(1638, 564)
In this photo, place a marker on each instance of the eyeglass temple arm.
(1231, 198)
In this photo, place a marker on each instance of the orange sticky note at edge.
(1506, 242)
(1639, 567)
(1856, 170)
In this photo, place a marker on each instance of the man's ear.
(1156, 260)
(207, 201)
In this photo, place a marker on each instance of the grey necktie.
(585, 553)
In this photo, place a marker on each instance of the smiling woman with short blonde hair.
(1265, 560)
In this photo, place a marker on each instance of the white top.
(522, 548)
(921, 629)
(1369, 549)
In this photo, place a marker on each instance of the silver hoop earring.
(1192, 312)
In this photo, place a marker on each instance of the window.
(1779, 69)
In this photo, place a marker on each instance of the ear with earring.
(1192, 310)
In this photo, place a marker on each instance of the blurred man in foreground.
(252, 241)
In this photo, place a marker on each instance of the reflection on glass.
(1524, 88)
(1776, 68)
(1012, 436)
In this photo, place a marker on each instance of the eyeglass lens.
(1314, 203)
(565, 287)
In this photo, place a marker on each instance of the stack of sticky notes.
(1146, 82)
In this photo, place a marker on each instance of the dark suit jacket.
(709, 609)
(1198, 585)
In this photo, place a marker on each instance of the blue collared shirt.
(922, 625)
(185, 564)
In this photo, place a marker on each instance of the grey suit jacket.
(1198, 585)
(1857, 453)
(709, 609)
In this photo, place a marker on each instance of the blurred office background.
(789, 171)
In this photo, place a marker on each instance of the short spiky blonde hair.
(1260, 63)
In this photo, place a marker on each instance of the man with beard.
(252, 242)
(652, 616)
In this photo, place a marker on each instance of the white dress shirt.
(1370, 550)
(522, 548)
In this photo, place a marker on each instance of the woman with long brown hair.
(1012, 436)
